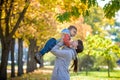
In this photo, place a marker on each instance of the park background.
(25, 26)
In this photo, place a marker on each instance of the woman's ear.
(75, 46)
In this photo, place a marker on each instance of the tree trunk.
(31, 64)
(4, 59)
(87, 63)
(108, 62)
(12, 58)
(20, 57)
(86, 70)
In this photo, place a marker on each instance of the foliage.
(83, 29)
(86, 62)
(73, 8)
(97, 21)
(114, 31)
(104, 51)
(50, 58)
(82, 7)
(8, 27)
(38, 22)
(111, 7)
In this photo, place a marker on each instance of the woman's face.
(75, 44)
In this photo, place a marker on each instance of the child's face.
(73, 32)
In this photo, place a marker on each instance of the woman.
(63, 58)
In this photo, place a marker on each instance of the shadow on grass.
(32, 76)
(39, 74)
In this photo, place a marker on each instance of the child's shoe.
(38, 58)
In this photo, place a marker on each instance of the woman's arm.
(59, 52)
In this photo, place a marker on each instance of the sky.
(103, 2)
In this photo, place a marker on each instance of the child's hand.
(71, 46)
(61, 40)
(62, 35)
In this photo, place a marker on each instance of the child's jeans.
(48, 46)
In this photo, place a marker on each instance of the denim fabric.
(48, 46)
(52, 42)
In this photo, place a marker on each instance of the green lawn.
(45, 74)
(94, 75)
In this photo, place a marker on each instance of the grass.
(45, 74)
(94, 75)
(33, 76)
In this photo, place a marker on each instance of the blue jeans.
(48, 46)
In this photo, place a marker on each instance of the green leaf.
(75, 11)
(112, 7)
(64, 17)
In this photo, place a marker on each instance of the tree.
(86, 62)
(30, 59)
(20, 57)
(6, 33)
(38, 22)
(12, 57)
(82, 7)
(111, 8)
(99, 46)
(98, 21)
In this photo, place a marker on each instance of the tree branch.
(19, 20)
(12, 15)
(8, 17)
(1, 34)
